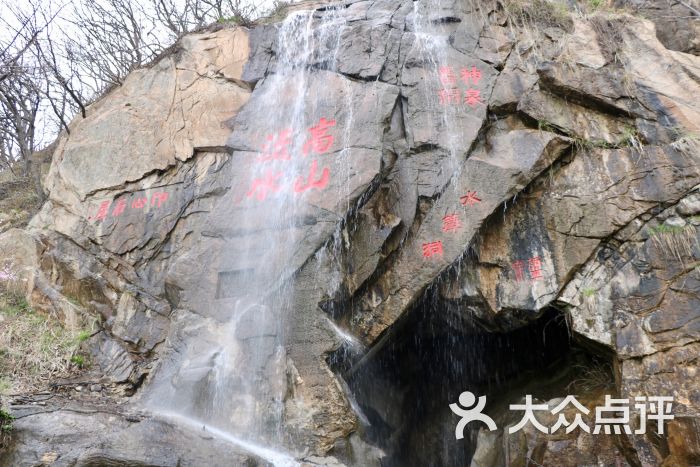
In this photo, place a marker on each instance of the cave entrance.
(404, 385)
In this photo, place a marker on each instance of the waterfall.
(226, 366)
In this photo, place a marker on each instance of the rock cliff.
(434, 196)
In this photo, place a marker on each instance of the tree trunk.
(33, 173)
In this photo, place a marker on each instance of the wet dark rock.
(89, 437)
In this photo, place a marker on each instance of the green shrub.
(6, 420)
(83, 336)
(78, 360)
(595, 4)
(6, 427)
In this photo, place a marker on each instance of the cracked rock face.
(507, 165)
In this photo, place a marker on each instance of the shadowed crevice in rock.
(403, 388)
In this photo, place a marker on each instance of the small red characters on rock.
(119, 207)
(262, 186)
(432, 249)
(447, 76)
(103, 210)
(139, 202)
(534, 265)
(451, 223)
(519, 270)
(474, 74)
(159, 197)
(276, 146)
(470, 199)
(450, 96)
(472, 97)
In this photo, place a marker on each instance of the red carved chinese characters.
(302, 185)
(119, 207)
(432, 249)
(103, 210)
(534, 264)
(450, 94)
(276, 147)
(534, 268)
(474, 74)
(519, 270)
(320, 141)
(262, 185)
(160, 197)
(472, 97)
(450, 223)
(447, 76)
(470, 199)
(138, 202)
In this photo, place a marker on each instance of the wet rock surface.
(67, 433)
(479, 170)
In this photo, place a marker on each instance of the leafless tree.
(55, 58)
(114, 37)
(20, 96)
(20, 102)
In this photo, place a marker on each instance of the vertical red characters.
(451, 223)
(103, 210)
(432, 249)
(277, 148)
(262, 186)
(534, 268)
(472, 97)
(139, 202)
(320, 183)
(450, 94)
(470, 199)
(159, 197)
(447, 76)
(474, 74)
(320, 141)
(119, 207)
(519, 270)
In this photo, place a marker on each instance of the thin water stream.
(226, 367)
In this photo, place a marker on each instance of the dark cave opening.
(404, 385)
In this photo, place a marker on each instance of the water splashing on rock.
(227, 366)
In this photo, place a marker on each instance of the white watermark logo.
(467, 399)
(612, 417)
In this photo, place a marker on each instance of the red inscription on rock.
(432, 249)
